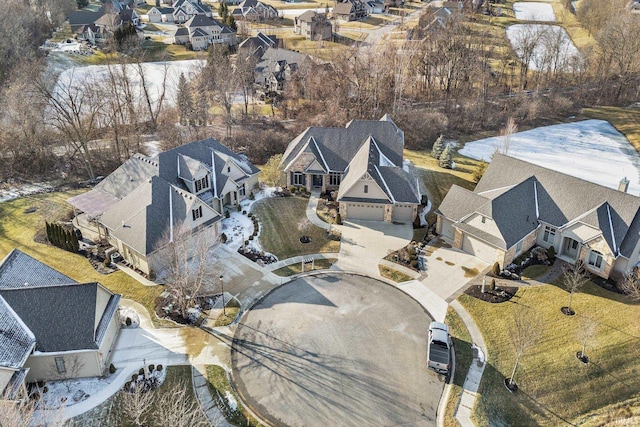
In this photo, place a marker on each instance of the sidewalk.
(205, 399)
(472, 381)
(312, 208)
(299, 259)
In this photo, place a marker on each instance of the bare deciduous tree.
(187, 270)
(220, 79)
(23, 414)
(630, 285)
(177, 409)
(587, 331)
(68, 368)
(574, 278)
(525, 330)
(136, 405)
(509, 129)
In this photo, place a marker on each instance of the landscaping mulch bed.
(504, 294)
(607, 284)
(259, 257)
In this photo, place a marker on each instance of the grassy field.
(439, 180)
(319, 264)
(220, 389)
(626, 120)
(464, 357)
(17, 230)
(534, 271)
(284, 221)
(555, 387)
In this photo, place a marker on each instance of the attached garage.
(447, 229)
(403, 213)
(479, 248)
(367, 212)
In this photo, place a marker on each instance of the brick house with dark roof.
(517, 205)
(363, 162)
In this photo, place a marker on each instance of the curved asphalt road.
(336, 349)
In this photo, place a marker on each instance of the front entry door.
(317, 180)
(571, 248)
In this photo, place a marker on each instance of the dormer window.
(196, 213)
(202, 184)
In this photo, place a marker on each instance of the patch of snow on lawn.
(231, 400)
(238, 227)
(61, 393)
(544, 47)
(533, 11)
(10, 192)
(591, 149)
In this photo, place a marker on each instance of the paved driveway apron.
(336, 349)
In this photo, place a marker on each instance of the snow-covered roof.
(18, 270)
(16, 339)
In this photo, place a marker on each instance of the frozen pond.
(532, 11)
(544, 47)
(592, 150)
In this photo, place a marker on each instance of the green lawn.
(220, 389)
(283, 221)
(319, 264)
(556, 388)
(464, 357)
(534, 271)
(18, 229)
(439, 180)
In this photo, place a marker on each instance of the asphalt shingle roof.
(510, 187)
(19, 270)
(16, 340)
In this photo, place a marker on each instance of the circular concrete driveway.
(336, 349)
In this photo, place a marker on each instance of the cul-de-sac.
(319, 213)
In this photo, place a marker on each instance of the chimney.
(624, 185)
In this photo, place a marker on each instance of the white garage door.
(403, 213)
(479, 249)
(447, 229)
(365, 211)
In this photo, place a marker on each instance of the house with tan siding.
(51, 327)
(517, 205)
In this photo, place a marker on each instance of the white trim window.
(297, 178)
(596, 260)
(549, 234)
(519, 247)
(202, 184)
(335, 178)
(366, 189)
(196, 213)
(242, 190)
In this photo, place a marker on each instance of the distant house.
(98, 27)
(375, 6)
(313, 26)
(275, 67)
(363, 162)
(144, 202)
(51, 327)
(202, 31)
(350, 10)
(517, 205)
(183, 10)
(254, 10)
(258, 44)
(160, 14)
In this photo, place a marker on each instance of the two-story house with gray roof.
(147, 200)
(51, 327)
(517, 205)
(363, 161)
(202, 31)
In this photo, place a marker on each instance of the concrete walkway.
(472, 381)
(207, 404)
(312, 207)
(299, 259)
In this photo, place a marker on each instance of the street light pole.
(223, 304)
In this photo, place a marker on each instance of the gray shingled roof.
(394, 181)
(65, 323)
(16, 340)
(508, 187)
(18, 269)
(340, 145)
